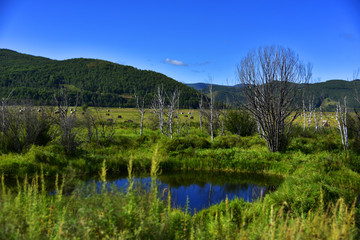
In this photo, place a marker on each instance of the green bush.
(240, 122)
(182, 143)
(226, 142)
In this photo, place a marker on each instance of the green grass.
(315, 199)
(31, 213)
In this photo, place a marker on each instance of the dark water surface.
(203, 189)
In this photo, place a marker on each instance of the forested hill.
(324, 94)
(97, 82)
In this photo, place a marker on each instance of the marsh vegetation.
(40, 196)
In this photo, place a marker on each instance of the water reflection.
(203, 189)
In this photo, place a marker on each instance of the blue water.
(202, 189)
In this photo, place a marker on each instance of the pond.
(203, 188)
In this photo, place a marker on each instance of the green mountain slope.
(97, 82)
(325, 94)
(230, 94)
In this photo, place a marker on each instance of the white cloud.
(175, 62)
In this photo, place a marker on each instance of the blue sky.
(190, 41)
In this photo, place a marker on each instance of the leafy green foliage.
(100, 83)
(240, 122)
(318, 184)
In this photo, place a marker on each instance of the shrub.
(201, 142)
(225, 142)
(141, 140)
(23, 128)
(240, 122)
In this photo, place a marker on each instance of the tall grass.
(315, 200)
(30, 212)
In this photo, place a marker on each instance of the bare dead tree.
(158, 106)
(99, 128)
(269, 77)
(341, 118)
(140, 104)
(211, 115)
(173, 98)
(90, 120)
(67, 122)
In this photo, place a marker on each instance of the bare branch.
(269, 77)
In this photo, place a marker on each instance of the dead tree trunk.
(67, 123)
(341, 118)
(172, 103)
(158, 105)
(269, 77)
(140, 104)
(211, 122)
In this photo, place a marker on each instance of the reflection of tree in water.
(201, 178)
(207, 193)
(204, 189)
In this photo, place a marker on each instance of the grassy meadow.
(316, 200)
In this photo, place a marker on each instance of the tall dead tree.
(211, 116)
(140, 104)
(67, 122)
(173, 98)
(90, 121)
(269, 77)
(158, 106)
(341, 118)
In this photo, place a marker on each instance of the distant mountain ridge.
(325, 94)
(98, 82)
(104, 83)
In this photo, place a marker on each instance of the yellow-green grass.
(133, 114)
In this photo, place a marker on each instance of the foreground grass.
(31, 212)
(315, 200)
